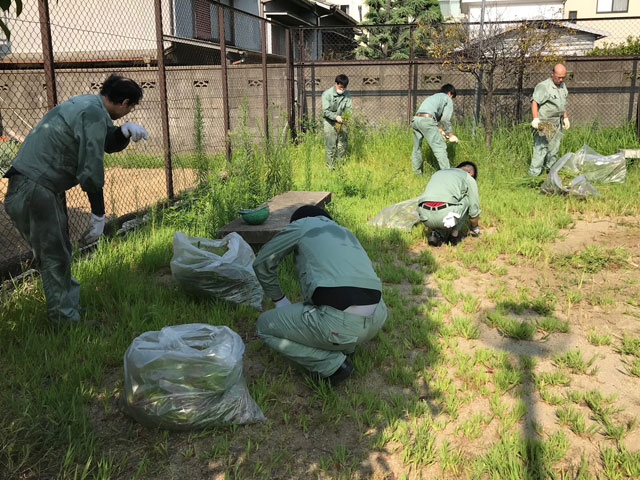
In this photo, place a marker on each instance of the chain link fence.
(223, 70)
(393, 68)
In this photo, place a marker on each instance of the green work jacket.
(440, 106)
(67, 146)
(551, 100)
(452, 185)
(334, 104)
(325, 254)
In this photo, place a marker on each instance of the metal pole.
(164, 109)
(410, 86)
(301, 86)
(225, 86)
(476, 92)
(265, 75)
(47, 53)
(290, 83)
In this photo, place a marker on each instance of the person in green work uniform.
(548, 104)
(451, 197)
(64, 149)
(434, 109)
(336, 101)
(342, 295)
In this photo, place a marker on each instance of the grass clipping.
(547, 129)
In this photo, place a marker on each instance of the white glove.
(283, 302)
(453, 138)
(339, 118)
(450, 220)
(96, 227)
(475, 231)
(565, 123)
(135, 131)
(535, 123)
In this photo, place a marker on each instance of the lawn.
(514, 355)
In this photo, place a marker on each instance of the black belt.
(439, 207)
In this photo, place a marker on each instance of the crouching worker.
(64, 149)
(450, 198)
(342, 305)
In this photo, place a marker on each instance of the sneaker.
(434, 239)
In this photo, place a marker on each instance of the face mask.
(339, 92)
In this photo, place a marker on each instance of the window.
(573, 15)
(612, 6)
(345, 8)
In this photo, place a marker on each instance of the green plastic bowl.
(255, 216)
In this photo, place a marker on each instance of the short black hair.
(449, 88)
(343, 80)
(475, 168)
(118, 89)
(309, 211)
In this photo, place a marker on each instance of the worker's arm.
(90, 130)
(474, 200)
(266, 263)
(534, 109)
(447, 113)
(326, 105)
(348, 106)
(115, 140)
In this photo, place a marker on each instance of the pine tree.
(393, 42)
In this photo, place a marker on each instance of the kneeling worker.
(342, 304)
(450, 197)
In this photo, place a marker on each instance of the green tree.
(5, 5)
(631, 47)
(393, 41)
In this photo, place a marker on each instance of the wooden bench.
(281, 207)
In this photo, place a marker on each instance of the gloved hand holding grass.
(135, 131)
(535, 123)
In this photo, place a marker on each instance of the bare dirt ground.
(302, 451)
(126, 190)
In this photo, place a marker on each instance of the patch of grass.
(598, 339)
(464, 327)
(629, 346)
(573, 360)
(594, 259)
(576, 422)
(510, 326)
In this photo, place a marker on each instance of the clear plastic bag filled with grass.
(187, 377)
(216, 268)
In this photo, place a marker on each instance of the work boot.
(434, 239)
(342, 373)
(453, 241)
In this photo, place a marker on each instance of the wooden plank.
(281, 207)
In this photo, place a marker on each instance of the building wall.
(512, 10)
(618, 30)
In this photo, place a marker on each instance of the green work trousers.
(38, 213)
(427, 128)
(335, 144)
(545, 153)
(317, 338)
(434, 219)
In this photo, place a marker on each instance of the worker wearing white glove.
(549, 103)
(135, 131)
(453, 138)
(96, 228)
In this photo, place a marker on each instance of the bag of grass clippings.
(187, 377)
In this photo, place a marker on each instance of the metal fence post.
(164, 109)
(47, 53)
(225, 86)
(265, 80)
(410, 86)
(301, 86)
(290, 83)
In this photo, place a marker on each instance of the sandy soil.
(126, 190)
